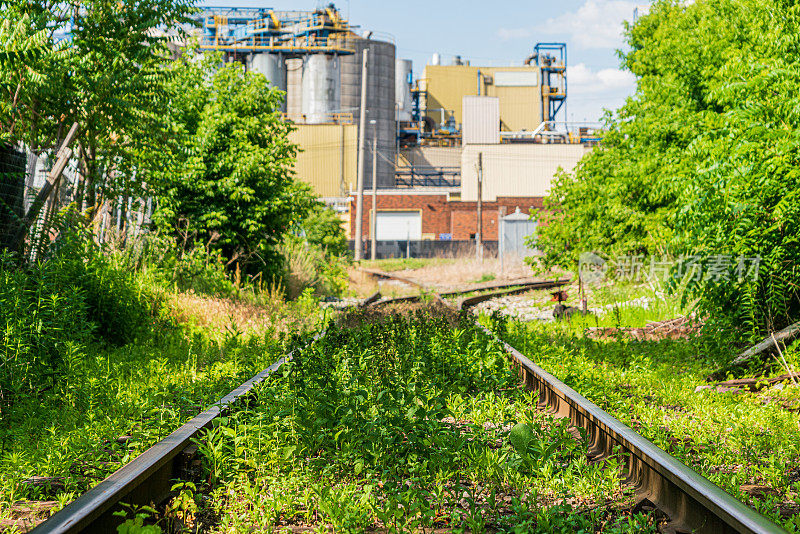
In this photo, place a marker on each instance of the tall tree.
(229, 178)
(702, 160)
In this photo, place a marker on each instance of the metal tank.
(321, 89)
(380, 103)
(294, 89)
(273, 66)
(402, 88)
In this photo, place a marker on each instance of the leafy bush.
(184, 267)
(309, 266)
(52, 309)
(323, 227)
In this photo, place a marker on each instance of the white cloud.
(596, 24)
(591, 90)
(584, 80)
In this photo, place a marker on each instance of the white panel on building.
(481, 116)
(516, 78)
(399, 225)
(515, 170)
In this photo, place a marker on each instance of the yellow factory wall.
(327, 157)
(515, 170)
(520, 107)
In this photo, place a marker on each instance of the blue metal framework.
(551, 58)
(245, 29)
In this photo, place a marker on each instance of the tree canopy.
(702, 160)
(230, 180)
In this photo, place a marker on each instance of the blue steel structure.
(245, 29)
(551, 58)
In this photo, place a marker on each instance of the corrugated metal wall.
(481, 120)
(520, 106)
(430, 156)
(515, 170)
(327, 157)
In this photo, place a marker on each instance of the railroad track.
(692, 502)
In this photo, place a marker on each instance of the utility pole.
(360, 195)
(478, 242)
(373, 224)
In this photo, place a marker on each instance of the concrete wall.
(515, 170)
(430, 156)
(327, 157)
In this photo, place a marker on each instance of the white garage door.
(399, 225)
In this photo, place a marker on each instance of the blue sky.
(501, 33)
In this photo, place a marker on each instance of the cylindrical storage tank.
(402, 88)
(321, 90)
(380, 104)
(294, 89)
(273, 66)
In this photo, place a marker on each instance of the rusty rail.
(149, 477)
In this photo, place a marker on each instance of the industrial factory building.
(424, 137)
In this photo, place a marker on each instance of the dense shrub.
(51, 310)
(183, 267)
(307, 265)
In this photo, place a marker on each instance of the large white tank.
(294, 89)
(402, 89)
(321, 88)
(273, 66)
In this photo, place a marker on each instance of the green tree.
(702, 159)
(108, 74)
(232, 185)
(323, 227)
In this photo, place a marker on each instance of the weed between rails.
(404, 424)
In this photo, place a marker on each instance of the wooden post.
(501, 213)
(374, 219)
(63, 155)
(478, 241)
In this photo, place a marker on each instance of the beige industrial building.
(515, 170)
(517, 88)
(327, 157)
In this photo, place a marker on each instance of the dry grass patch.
(222, 315)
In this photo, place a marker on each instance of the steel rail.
(495, 290)
(692, 502)
(149, 477)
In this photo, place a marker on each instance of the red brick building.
(434, 215)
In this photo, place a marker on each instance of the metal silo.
(402, 89)
(321, 89)
(273, 66)
(380, 102)
(294, 89)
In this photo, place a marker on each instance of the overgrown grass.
(99, 365)
(738, 440)
(406, 424)
(400, 264)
